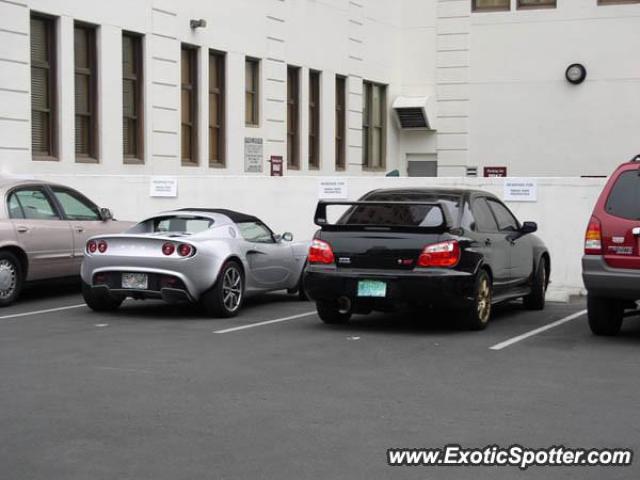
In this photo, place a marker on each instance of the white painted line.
(268, 322)
(38, 312)
(519, 338)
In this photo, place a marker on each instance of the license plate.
(372, 288)
(137, 281)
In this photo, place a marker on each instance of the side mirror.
(287, 237)
(105, 214)
(528, 227)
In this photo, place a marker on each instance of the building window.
(616, 2)
(341, 117)
(86, 77)
(189, 104)
(314, 119)
(216, 109)
(536, 4)
(132, 99)
(252, 92)
(293, 102)
(490, 5)
(374, 126)
(43, 87)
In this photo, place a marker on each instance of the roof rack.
(636, 158)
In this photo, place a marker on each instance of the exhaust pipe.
(344, 305)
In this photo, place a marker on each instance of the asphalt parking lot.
(161, 392)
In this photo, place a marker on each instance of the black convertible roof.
(236, 217)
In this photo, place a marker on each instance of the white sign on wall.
(333, 189)
(520, 190)
(163, 187)
(253, 155)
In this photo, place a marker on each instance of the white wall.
(287, 204)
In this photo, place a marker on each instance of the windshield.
(176, 224)
(402, 215)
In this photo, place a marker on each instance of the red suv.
(611, 262)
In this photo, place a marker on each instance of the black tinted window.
(624, 199)
(506, 221)
(403, 215)
(484, 218)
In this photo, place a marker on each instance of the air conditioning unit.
(411, 113)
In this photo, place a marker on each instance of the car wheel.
(99, 300)
(477, 316)
(225, 298)
(535, 300)
(331, 314)
(11, 278)
(605, 315)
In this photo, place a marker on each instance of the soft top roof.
(236, 217)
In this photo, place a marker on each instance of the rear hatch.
(621, 221)
(382, 235)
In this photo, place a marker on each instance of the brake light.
(168, 248)
(102, 246)
(320, 252)
(184, 250)
(92, 246)
(443, 254)
(593, 238)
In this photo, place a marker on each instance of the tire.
(225, 298)
(478, 315)
(605, 315)
(11, 278)
(329, 313)
(100, 301)
(535, 300)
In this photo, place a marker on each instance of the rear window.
(176, 224)
(624, 199)
(402, 215)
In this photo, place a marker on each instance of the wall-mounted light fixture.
(576, 73)
(199, 23)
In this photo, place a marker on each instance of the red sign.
(276, 166)
(495, 171)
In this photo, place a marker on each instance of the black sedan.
(441, 248)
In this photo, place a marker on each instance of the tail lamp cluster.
(442, 254)
(593, 238)
(183, 249)
(94, 246)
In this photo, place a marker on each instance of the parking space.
(157, 391)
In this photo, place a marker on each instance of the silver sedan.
(214, 257)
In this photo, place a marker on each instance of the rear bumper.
(602, 280)
(169, 295)
(437, 287)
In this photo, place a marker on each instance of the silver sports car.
(212, 256)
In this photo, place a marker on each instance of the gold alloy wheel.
(484, 300)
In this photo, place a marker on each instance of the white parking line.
(519, 338)
(38, 312)
(268, 322)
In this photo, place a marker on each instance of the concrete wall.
(287, 204)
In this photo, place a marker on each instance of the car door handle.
(487, 242)
(79, 229)
(22, 229)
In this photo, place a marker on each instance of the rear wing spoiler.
(320, 217)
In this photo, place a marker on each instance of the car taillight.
(443, 254)
(593, 238)
(184, 250)
(168, 248)
(92, 246)
(102, 246)
(320, 252)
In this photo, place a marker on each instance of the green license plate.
(372, 288)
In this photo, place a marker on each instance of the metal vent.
(472, 171)
(411, 113)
